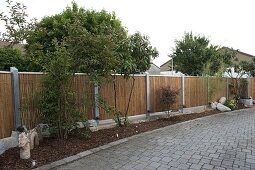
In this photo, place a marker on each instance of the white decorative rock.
(222, 100)
(79, 125)
(45, 130)
(222, 108)
(246, 102)
(10, 142)
(214, 105)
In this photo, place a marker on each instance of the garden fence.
(193, 91)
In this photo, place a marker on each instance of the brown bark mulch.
(51, 150)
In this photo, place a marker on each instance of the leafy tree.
(10, 57)
(249, 67)
(141, 54)
(57, 103)
(16, 23)
(192, 53)
(238, 84)
(99, 36)
(97, 43)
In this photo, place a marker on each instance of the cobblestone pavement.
(222, 141)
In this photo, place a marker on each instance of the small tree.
(238, 83)
(16, 22)
(192, 53)
(168, 97)
(57, 103)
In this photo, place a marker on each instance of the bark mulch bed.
(51, 150)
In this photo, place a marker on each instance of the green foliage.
(10, 57)
(168, 97)
(16, 23)
(192, 53)
(117, 115)
(97, 43)
(58, 99)
(94, 39)
(247, 67)
(211, 80)
(232, 104)
(142, 52)
(238, 85)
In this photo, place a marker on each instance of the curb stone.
(115, 143)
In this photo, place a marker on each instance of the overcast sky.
(225, 22)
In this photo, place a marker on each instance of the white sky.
(225, 22)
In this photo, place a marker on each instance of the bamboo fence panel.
(196, 91)
(123, 89)
(83, 89)
(156, 84)
(218, 88)
(29, 90)
(6, 105)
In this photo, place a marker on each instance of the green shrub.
(168, 97)
(232, 104)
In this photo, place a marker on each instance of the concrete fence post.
(96, 100)
(208, 89)
(227, 89)
(147, 80)
(248, 87)
(183, 94)
(15, 92)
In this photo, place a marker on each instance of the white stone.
(214, 105)
(79, 125)
(222, 100)
(45, 130)
(246, 102)
(10, 142)
(222, 108)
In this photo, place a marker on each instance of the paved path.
(222, 141)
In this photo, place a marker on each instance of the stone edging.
(94, 150)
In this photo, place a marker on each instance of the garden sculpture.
(24, 145)
(27, 141)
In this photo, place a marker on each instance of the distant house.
(167, 66)
(18, 46)
(244, 56)
(154, 69)
(241, 56)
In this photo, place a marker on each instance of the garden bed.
(51, 150)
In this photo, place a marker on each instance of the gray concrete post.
(147, 80)
(208, 89)
(248, 87)
(227, 89)
(183, 93)
(15, 92)
(96, 100)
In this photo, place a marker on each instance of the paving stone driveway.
(222, 141)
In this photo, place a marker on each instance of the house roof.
(240, 52)
(154, 65)
(248, 55)
(5, 44)
(165, 63)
